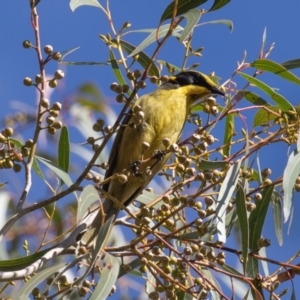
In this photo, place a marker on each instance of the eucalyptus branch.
(28, 166)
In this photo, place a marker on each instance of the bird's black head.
(195, 78)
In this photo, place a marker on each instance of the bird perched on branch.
(154, 117)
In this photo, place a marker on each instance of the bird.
(154, 117)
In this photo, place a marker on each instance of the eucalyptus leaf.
(255, 99)
(143, 59)
(257, 218)
(244, 224)
(164, 63)
(77, 3)
(58, 171)
(64, 150)
(27, 288)
(192, 18)
(275, 68)
(116, 68)
(84, 63)
(278, 99)
(291, 64)
(228, 134)
(65, 53)
(263, 116)
(155, 35)
(225, 22)
(219, 4)
(182, 7)
(109, 276)
(224, 197)
(212, 165)
(88, 196)
(290, 174)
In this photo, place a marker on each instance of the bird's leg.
(158, 155)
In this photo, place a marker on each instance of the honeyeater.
(154, 117)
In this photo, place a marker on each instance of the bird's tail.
(107, 210)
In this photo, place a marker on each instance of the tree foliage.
(199, 233)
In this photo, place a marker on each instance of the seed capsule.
(48, 49)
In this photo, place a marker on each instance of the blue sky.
(65, 29)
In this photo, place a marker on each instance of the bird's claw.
(135, 167)
(159, 154)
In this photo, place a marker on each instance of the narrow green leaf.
(291, 64)
(164, 63)
(228, 23)
(64, 150)
(192, 18)
(36, 168)
(147, 197)
(189, 297)
(188, 236)
(76, 3)
(255, 99)
(109, 276)
(144, 60)
(264, 264)
(207, 273)
(100, 243)
(84, 63)
(256, 223)
(67, 52)
(115, 66)
(136, 273)
(154, 36)
(60, 173)
(180, 295)
(18, 144)
(244, 225)
(230, 220)
(228, 134)
(27, 288)
(276, 68)
(233, 271)
(22, 262)
(219, 4)
(103, 236)
(211, 165)
(257, 218)
(264, 38)
(225, 194)
(183, 7)
(263, 116)
(282, 103)
(132, 265)
(88, 196)
(252, 267)
(290, 174)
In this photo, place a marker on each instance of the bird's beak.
(217, 91)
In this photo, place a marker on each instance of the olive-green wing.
(115, 149)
